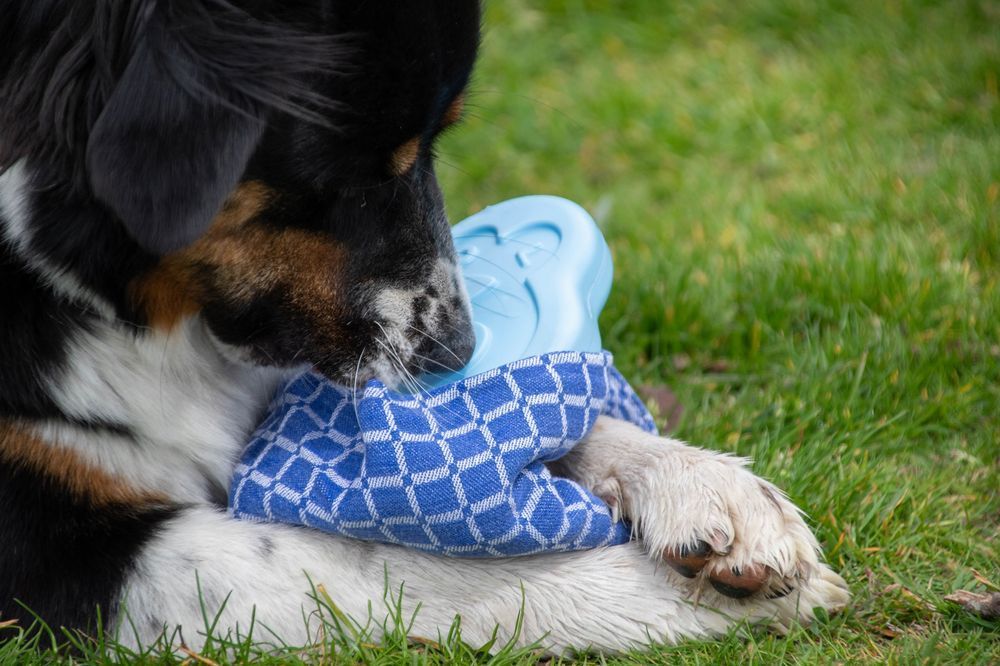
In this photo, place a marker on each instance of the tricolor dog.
(199, 197)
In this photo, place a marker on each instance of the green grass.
(803, 201)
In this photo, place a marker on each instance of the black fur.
(63, 559)
(138, 118)
(191, 96)
(33, 336)
(133, 121)
(181, 80)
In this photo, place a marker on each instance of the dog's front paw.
(712, 520)
(708, 516)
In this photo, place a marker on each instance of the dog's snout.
(453, 347)
(465, 347)
(424, 327)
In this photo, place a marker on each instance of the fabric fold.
(458, 470)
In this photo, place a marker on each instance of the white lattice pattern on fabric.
(458, 470)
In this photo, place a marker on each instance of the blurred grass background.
(802, 201)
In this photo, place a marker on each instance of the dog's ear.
(161, 157)
(154, 106)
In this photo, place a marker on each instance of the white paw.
(713, 521)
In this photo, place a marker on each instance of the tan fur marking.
(256, 260)
(248, 260)
(454, 111)
(404, 157)
(170, 292)
(246, 202)
(19, 446)
(167, 295)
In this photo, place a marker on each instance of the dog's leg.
(703, 513)
(608, 599)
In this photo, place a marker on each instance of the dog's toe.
(740, 583)
(744, 539)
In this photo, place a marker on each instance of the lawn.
(803, 202)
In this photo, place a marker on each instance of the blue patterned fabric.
(457, 471)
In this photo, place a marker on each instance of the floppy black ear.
(155, 106)
(161, 157)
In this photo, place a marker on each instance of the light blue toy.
(538, 273)
(459, 468)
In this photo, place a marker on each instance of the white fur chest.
(188, 409)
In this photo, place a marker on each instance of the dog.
(201, 197)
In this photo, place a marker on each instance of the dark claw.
(701, 550)
(686, 560)
(731, 590)
(780, 593)
(683, 569)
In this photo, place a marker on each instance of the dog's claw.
(780, 593)
(686, 560)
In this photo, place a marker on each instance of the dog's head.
(268, 164)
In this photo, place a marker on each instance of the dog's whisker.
(452, 165)
(534, 101)
(354, 388)
(357, 369)
(413, 384)
(452, 327)
(298, 353)
(432, 360)
(409, 382)
(405, 376)
(390, 356)
(438, 342)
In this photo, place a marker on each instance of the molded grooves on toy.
(538, 272)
